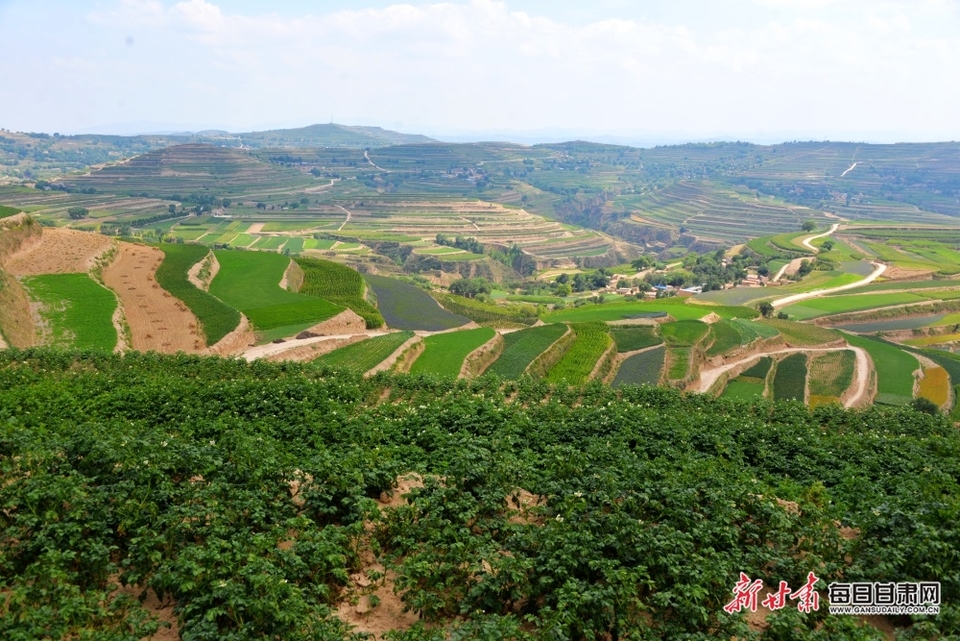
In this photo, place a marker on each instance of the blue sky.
(762, 70)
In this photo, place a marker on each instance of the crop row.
(339, 285)
(574, 368)
(363, 356)
(522, 347)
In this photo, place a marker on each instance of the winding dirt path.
(849, 169)
(793, 266)
(862, 370)
(806, 241)
(342, 225)
(879, 269)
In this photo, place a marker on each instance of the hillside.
(183, 169)
(249, 500)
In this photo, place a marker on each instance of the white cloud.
(813, 66)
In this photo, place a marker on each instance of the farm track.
(862, 370)
(789, 300)
(273, 349)
(158, 321)
(806, 241)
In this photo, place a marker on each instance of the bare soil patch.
(60, 251)
(255, 228)
(158, 321)
(202, 274)
(236, 341)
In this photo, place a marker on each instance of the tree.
(766, 309)
(172, 208)
(925, 405)
(783, 315)
(470, 287)
(827, 245)
(808, 225)
(77, 213)
(225, 202)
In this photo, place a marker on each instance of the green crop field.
(522, 347)
(363, 356)
(852, 303)
(758, 370)
(738, 389)
(217, 319)
(77, 311)
(789, 381)
(485, 313)
(8, 211)
(725, 336)
(684, 332)
(340, 285)
(801, 334)
(751, 330)
(675, 307)
(444, 354)
(575, 366)
(630, 338)
(250, 282)
(406, 306)
(641, 369)
(831, 373)
(679, 363)
(242, 493)
(894, 368)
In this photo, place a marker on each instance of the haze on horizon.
(759, 70)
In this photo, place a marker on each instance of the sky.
(529, 71)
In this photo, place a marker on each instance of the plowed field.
(60, 251)
(157, 320)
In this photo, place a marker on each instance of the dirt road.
(806, 241)
(862, 371)
(879, 269)
(271, 349)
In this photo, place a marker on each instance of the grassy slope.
(78, 310)
(250, 282)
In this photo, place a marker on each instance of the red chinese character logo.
(777, 600)
(809, 599)
(745, 595)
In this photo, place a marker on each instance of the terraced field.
(789, 381)
(894, 369)
(406, 306)
(444, 354)
(714, 212)
(250, 283)
(339, 285)
(363, 356)
(676, 307)
(217, 319)
(641, 369)
(631, 338)
(77, 311)
(830, 375)
(574, 368)
(823, 306)
(522, 347)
